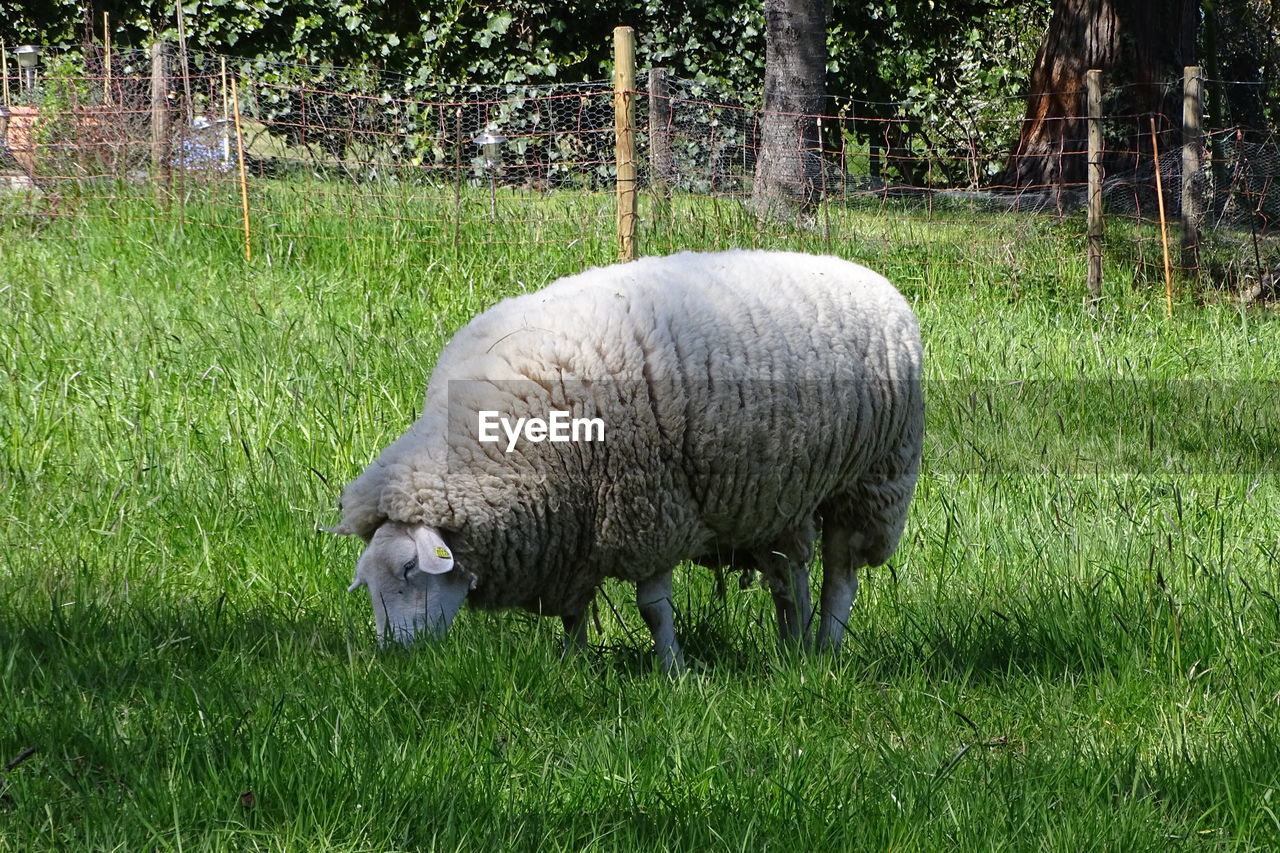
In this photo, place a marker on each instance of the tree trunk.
(789, 165)
(1139, 44)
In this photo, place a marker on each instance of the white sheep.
(747, 399)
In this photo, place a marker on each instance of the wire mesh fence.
(313, 153)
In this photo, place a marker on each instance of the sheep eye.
(408, 567)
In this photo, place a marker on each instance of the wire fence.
(304, 153)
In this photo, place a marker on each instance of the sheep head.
(412, 581)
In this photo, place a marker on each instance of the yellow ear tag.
(442, 552)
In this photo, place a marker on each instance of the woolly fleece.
(748, 397)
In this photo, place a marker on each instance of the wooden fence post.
(1093, 86)
(159, 112)
(1192, 167)
(624, 113)
(661, 163)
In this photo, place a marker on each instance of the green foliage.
(1241, 42)
(906, 77)
(953, 68)
(542, 40)
(63, 88)
(38, 21)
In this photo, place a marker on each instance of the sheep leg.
(785, 566)
(791, 601)
(841, 559)
(653, 598)
(575, 632)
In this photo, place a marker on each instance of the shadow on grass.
(1063, 632)
(110, 643)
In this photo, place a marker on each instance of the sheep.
(748, 400)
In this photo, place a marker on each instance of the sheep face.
(412, 582)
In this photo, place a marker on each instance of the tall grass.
(1074, 648)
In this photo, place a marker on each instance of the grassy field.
(1076, 648)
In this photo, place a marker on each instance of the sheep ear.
(434, 556)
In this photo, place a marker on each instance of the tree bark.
(789, 164)
(1138, 44)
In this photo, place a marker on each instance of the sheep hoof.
(673, 665)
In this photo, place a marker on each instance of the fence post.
(1192, 167)
(224, 131)
(159, 112)
(1093, 87)
(1164, 230)
(624, 84)
(244, 181)
(661, 163)
(106, 58)
(188, 108)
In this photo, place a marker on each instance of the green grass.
(1077, 646)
